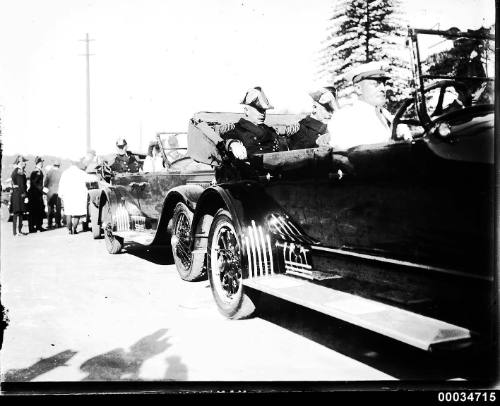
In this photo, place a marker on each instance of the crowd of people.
(63, 190)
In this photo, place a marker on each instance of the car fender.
(256, 216)
(187, 194)
(113, 197)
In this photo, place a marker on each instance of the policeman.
(314, 125)
(124, 161)
(366, 121)
(250, 135)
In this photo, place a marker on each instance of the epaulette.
(224, 128)
(288, 129)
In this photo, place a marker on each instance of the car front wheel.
(190, 267)
(224, 268)
(114, 244)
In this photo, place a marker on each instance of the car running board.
(402, 325)
(143, 238)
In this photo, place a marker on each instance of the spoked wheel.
(224, 268)
(190, 267)
(114, 244)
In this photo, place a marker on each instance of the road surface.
(77, 313)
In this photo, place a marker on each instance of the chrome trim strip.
(257, 245)
(249, 256)
(270, 253)
(264, 250)
(298, 264)
(252, 242)
(282, 228)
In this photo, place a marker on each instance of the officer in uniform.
(311, 127)
(124, 161)
(366, 121)
(250, 135)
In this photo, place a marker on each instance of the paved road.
(77, 313)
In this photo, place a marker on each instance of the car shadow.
(161, 255)
(120, 365)
(39, 368)
(392, 357)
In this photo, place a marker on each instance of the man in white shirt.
(366, 121)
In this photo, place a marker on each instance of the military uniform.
(308, 132)
(125, 163)
(256, 138)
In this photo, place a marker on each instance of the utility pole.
(87, 57)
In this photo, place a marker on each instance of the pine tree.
(364, 31)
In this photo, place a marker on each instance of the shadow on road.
(156, 255)
(177, 370)
(39, 368)
(382, 353)
(119, 364)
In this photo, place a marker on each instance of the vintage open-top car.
(138, 206)
(394, 237)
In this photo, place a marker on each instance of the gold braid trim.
(224, 128)
(288, 129)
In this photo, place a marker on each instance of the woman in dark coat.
(36, 206)
(18, 197)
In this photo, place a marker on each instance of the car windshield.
(464, 57)
(174, 145)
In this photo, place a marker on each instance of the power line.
(87, 57)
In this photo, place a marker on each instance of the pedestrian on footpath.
(18, 198)
(51, 187)
(36, 205)
(73, 192)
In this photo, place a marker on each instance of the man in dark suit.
(51, 187)
(124, 160)
(250, 135)
(36, 205)
(314, 125)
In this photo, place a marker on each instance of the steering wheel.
(438, 110)
(104, 171)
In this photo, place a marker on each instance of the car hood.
(471, 138)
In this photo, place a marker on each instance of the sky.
(155, 63)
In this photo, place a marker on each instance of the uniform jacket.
(359, 124)
(18, 191)
(125, 163)
(307, 135)
(36, 184)
(35, 194)
(256, 138)
(51, 181)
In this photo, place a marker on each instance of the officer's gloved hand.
(403, 131)
(238, 149)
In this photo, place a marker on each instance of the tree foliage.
(363, 31)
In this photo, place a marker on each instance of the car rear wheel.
(224, 268)
(188, 266)
(114, 244)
